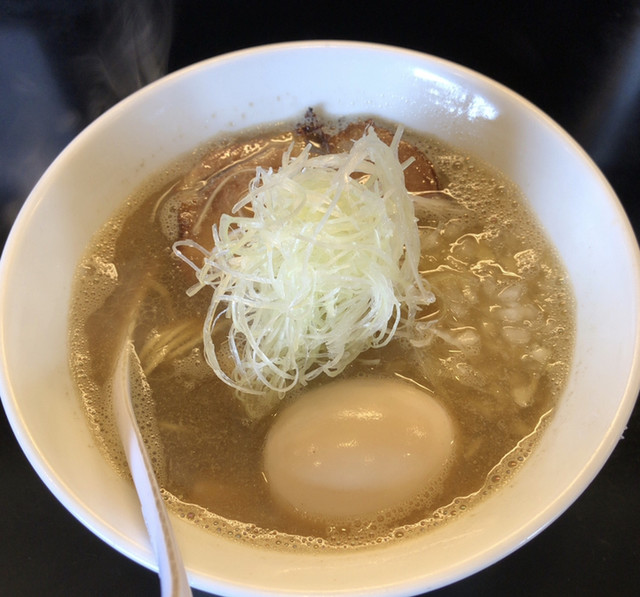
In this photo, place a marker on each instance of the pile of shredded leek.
(326, 268)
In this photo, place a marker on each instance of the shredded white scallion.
(326, 267)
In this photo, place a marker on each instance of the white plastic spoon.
(173, 577)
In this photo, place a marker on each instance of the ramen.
(481, 357)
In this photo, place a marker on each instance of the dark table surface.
(64, 62)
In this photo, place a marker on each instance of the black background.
(64, 62)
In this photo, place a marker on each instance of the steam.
(131, 51)
(61, 66)
(609, 120)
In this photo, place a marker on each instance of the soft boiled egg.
(354, 448)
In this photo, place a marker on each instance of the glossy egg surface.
(357, 447)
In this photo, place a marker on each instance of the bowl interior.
(121, 149)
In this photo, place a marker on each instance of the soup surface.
(495, 348)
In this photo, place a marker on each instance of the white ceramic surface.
(122, 148)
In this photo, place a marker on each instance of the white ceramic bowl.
(111, 157)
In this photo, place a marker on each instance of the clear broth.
(498, 358)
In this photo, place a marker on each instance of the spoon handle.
(173, 578)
